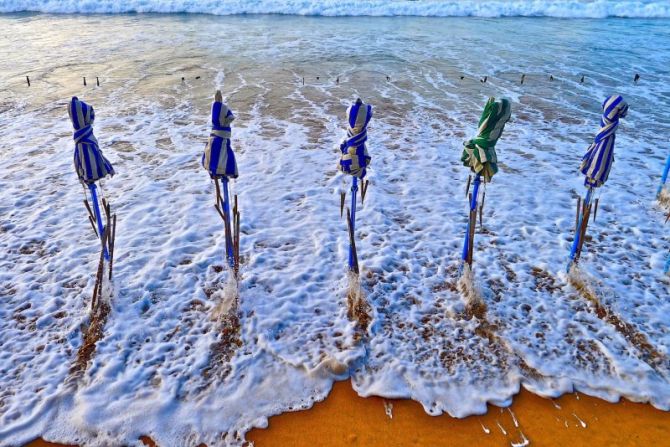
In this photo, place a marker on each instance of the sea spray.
(226, 297)
(227, 317)
(358, 308)
(664, 198)
(583, 284)
(471, 294)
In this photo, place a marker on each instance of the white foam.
(424, 8)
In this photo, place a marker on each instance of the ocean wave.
(427, 8)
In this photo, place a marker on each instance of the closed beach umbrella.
(89, 162)
(219, 158)
(219, 161)
(596, 165)
(354, 160)
(597, 162)
(479, 153)
(91, 166)
(480, 156)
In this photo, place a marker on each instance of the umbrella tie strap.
(83, 134)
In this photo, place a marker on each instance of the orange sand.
(345, 419)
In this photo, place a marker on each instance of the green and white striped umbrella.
(479, 153)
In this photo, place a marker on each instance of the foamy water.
(421, 8)
(186, 357)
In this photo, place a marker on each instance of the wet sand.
(574, 419)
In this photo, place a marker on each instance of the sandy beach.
(346, 419)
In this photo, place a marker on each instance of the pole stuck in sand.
(480, 156)
(354, 160)
(596, 165)
(219, 161)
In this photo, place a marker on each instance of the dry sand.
(345, 419)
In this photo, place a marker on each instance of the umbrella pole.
(580, 231)
(353, 262)
(98, 216)
(226, 212)
(469, 232)
(664, 177)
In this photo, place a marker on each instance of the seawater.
(296, 337)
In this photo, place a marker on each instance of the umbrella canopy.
(219, 158)
(597, 161)
(355, 158)
(479, 153)
(89, 162)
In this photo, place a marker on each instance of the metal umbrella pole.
(664, 177)
(468, 244)
(584, 210)
(353, 256)
(98, 217)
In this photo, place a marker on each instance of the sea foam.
(427, 8)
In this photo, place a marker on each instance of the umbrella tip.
(218, 97)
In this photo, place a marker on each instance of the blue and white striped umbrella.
(219, 158)
(89, 162)
(355, 158)
(597, 161)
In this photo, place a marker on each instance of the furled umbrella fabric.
(355, 158)
(89, 162)
(479, 153)
(597, 162)
(219, 158)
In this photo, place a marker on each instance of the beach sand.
(574, 419)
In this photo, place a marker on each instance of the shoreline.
(344, 418)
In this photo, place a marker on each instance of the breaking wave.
(427, 8)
